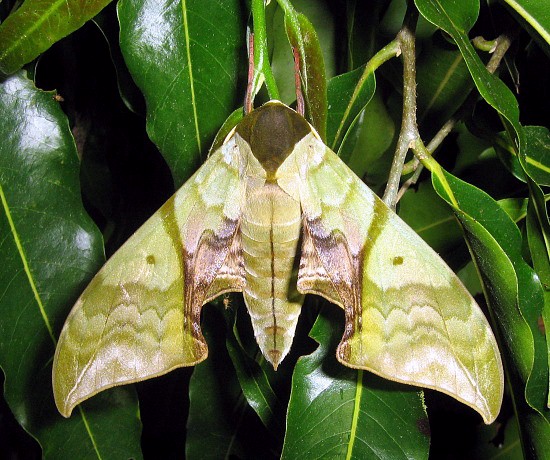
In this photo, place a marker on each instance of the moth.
(275, 214)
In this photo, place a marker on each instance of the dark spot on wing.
(397, 260)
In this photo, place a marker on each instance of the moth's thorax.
(272, 131)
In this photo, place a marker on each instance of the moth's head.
(272, 131)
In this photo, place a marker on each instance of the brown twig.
(409, 129)
(501, 46)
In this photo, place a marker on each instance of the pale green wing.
(140, 315)
(408, 317)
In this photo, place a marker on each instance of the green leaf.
(254, 381)
(536, 160)
(216, 402)
(107, 22)
(348, 94)
(231, 121)
(457, 18)
(538, 239)
(490, 445)
(263, 72)
(538, 233)
(303, 38)
(443, 82)
(375, 137)
(516, 299)
(221, 424)
(337, 412)
(453, 17)
(185, 57)
(50, 248)
(536, 15)
(37, 25)
(516, 208)
(537, 154)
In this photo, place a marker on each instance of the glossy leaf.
(457, 18)
(443, 83)
(492, 446)
(50, 248)
(173, 51)
(515, 296)
(219, 415)
(107, 22)
(516, 208)
(348, 95)
(536, 15)
(281, 56)
(303, 38)
(377, 131)
(263, 72)
(38, 24)
(254, 382)
(335, 412)
(536, 155)
(538, 233)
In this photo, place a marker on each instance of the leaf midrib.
(26, 267)
(32, 28)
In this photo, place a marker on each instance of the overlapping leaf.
(220, 416)
(37, 25)
(516, 299)
(255, 383)
(50, 248)
(536, 157)
(443, 83)
(457, 18)
(337, 412)
(184, 56)
(304, 39)
(535, 14)
(348, 94)
(515, 285)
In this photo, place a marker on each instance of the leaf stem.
(261, 54)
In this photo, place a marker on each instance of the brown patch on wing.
(345, 273)
(312, 276)
(231, 275)
(200, 270)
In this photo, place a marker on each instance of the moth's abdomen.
(270, 226)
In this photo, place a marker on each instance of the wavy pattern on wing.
(140, 315)
(408, 317)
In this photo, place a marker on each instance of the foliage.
(166, 76)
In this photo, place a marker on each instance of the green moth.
(275, 214)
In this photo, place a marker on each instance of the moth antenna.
(248, 96)
(298, 82)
